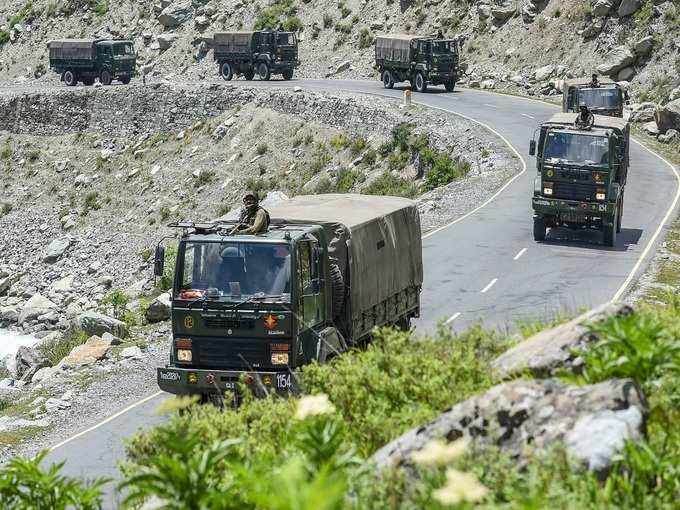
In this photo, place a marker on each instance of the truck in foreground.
(261, 53)
(602, 96)
(419, 60)
(85, 60)
(582, 173)
(329, 269)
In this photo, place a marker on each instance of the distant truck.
(582, 174)
(261, 53)
(85, 60)
(420, 60)
(329, 269)
(602, 97)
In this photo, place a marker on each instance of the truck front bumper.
(188, 381)
(572, 210)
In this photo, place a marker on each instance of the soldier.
(254, 219)
(440, 34)
(593, 81)
(585, 118)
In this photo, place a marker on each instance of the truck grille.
(229, 353)
(573, 191)
(221, 323)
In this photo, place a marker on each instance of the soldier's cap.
(251, 194)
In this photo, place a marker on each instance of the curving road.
(485, 265)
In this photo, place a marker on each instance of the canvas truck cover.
(72, 49)
(233, 42)
(395, 48)
(374, 240)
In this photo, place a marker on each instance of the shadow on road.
(592, 239)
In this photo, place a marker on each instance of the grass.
(280, 11)
(392, 185)
(91, 202)
(56, 350)
(5, 208)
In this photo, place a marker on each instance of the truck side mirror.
(159, 261)
(532, 148)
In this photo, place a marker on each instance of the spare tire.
(338, 284)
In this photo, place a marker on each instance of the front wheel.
(539, 229)
(226, 71)
(288, 74)
(263, 71)
(387, 79)
(450, 85)
(105, 77)
(70, 79)
(125, 80)
(421, 82)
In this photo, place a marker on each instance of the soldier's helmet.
(251, 194)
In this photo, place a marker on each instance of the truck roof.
(71, 43)
(578, 82)
(601, 121)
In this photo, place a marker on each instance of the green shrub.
(442, 169)
(115, 303)
(390, 184)
(327, 20)
(278, 12)
(204, 178)
(7, 152)
(56, 350)
(5, 208)
(324, 185)
(358, 145)
(341, 141)
(293, 24)
(370, 157)
(343, 28)
(344, 10)
(91, 202)
(347, 179)
(167, 280)
(262, 149)
(366, 38)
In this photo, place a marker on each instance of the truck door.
(310, 301)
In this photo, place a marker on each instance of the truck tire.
(620, 216)
(70, 78)
(387, 79)
(450, 85)
(263, 71)
(338, 286)
(287, 74)
(105, 77)
(421, 82)
(539, 229)
(226, 71)
(125, 80)
(249, 74)
(609, 233)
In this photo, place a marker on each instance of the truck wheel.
(249, 74)
(539, 229)
(338, 284)
(125, 80)
(450, 85)
(287, 74)
(609, 233)
(421, 82)
(619, 216)
(226, 71)
(70, 79)
(263, 71)
(387, 79)
(105, 77)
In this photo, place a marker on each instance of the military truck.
(604, 97)
(85, 60)
(248, 53)
(420, 60)
(329, 269)
(582, 173)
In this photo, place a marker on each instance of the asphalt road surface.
(485, 266)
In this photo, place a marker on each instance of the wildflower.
(438, 453)
(459, 487)
(313, 405)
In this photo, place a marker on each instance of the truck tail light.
(600, 194)
(184, 355)
(279, 358)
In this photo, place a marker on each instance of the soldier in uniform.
(585, 117)
(593, 81)
(440, 34)
(254, 219)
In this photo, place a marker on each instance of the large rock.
(625, 74)
(159, 309)
(175, 14)
(617, 58)
(643, 112)
(602, 7)
(8, 314)
(553, 349)
(86, 354)
(35, 307)
(628, 7)
(644, 46)
(56, 249)
(503, 12)
(670, 136)
(545, 72)
(28, 362)
(525, 415)
(668, 116)
(165, 41)
(94, 323)
(5, 284)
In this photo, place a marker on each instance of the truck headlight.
(547, 191)
(600, 194)
(279, 358)
(184, 355)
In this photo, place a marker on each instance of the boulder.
(543, 73)
(643, 112)
(650, 128)
(668, 116)
(625, 74)
(601, 8)
(8, 314)
(628, 7)
(175, 14)
(165, 41)
(159, 309)
(593, 28)
(63, 285)
(132, 352)
(644, 46)
(44, 374)
(615, 60)
(5, 284)
(56, 249)
(28, 362)
(55, 404)
(522, 416)
(503, 12)
(483, 10)
(554, 349)
(35, 307)
(94, 323)
(86, 354)
(670, 136)
(488, 84)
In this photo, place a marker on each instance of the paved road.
(485, 266)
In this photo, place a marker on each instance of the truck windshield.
(443, 47)
(285, 39)
(122, 50)
(600, 98)
(235, 270)
(576, 148)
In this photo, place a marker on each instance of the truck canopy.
(72, 49)
(601, 121)
(395, 48)
(374, 240)
(233, 42)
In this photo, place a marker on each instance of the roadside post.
(407, 98)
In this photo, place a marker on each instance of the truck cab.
(118, 58)
(581, 175)
(604, 97)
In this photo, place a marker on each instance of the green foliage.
(370, 157)
(366, 38)
(7, 151)
(644, 14)
(5, 208)
(327, 20)
(166, 281)
(340, 141)
(391, 185)
(583, 9)
(344, 10)
(115, 303)
(659, 90)
(91, 202)
(442, 169)
(58, 349)
(347, 179)
(278, 12)
(358, 145)
(324, 185)
(343, 28)
(262, 149)
(293, 24)
(205, 177)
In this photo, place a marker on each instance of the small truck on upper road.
(420, 60)
(329, 269)
(602, 96)
(248, 53)
(582, 172)
(85, 60)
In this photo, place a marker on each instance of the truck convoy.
(601, 96)
(85, 60)
(420, 60)
(329, 269)
(582, 172)
(248, 53)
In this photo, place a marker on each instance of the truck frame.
(85, 60)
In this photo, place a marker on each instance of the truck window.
(576, 148)
(310, 304)
(600, 98)
(121, 50)
(285, 39)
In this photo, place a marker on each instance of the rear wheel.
(421, 83)
(619, 215)
(226, 71)
(105, 77)
(263, 71)
(70, 79)
(387, 79)
(450, 85)
(609, 233)
(288, 74)
(125, 80)
(539, 229)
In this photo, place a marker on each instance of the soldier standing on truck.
(254, 219)
(585, 118)
(593, 81)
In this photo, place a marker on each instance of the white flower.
(439, 453)
(460, 487)
(313, 405)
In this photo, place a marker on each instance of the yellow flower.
(313, 405)
(438, 453)
(460, 487)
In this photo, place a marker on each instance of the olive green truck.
(85, 60)
(329, 269)
(582, 174)
(602, 97)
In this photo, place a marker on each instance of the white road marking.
(452, 318)
(490, 105)
(521, 252)
(489, 285)
(528, 116)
